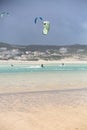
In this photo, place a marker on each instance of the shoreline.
(65, 61)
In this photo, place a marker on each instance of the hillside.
(46, 52)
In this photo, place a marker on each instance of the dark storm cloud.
(68, 19)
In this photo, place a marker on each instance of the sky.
(68, 22)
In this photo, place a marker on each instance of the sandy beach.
(45, 105)
(46, 110)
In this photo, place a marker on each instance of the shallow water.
(45, 68)
(33, 77)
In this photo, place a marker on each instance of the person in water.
(12, 65)
(62, 64)
(42, 65)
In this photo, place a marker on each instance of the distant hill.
(42, 47)
(43, 51)
(5, 45)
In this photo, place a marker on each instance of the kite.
(2, 14)
(45, 24)
(38, 18)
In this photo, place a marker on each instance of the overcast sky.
(68, 21)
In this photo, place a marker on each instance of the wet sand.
(64, 109)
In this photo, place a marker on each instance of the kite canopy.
(37, 19)
(2, 14)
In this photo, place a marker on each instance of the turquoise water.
(49, 77)
(46, 68)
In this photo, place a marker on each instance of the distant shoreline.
(65, 61)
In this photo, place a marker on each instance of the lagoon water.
(38, 68)
(34, 77)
